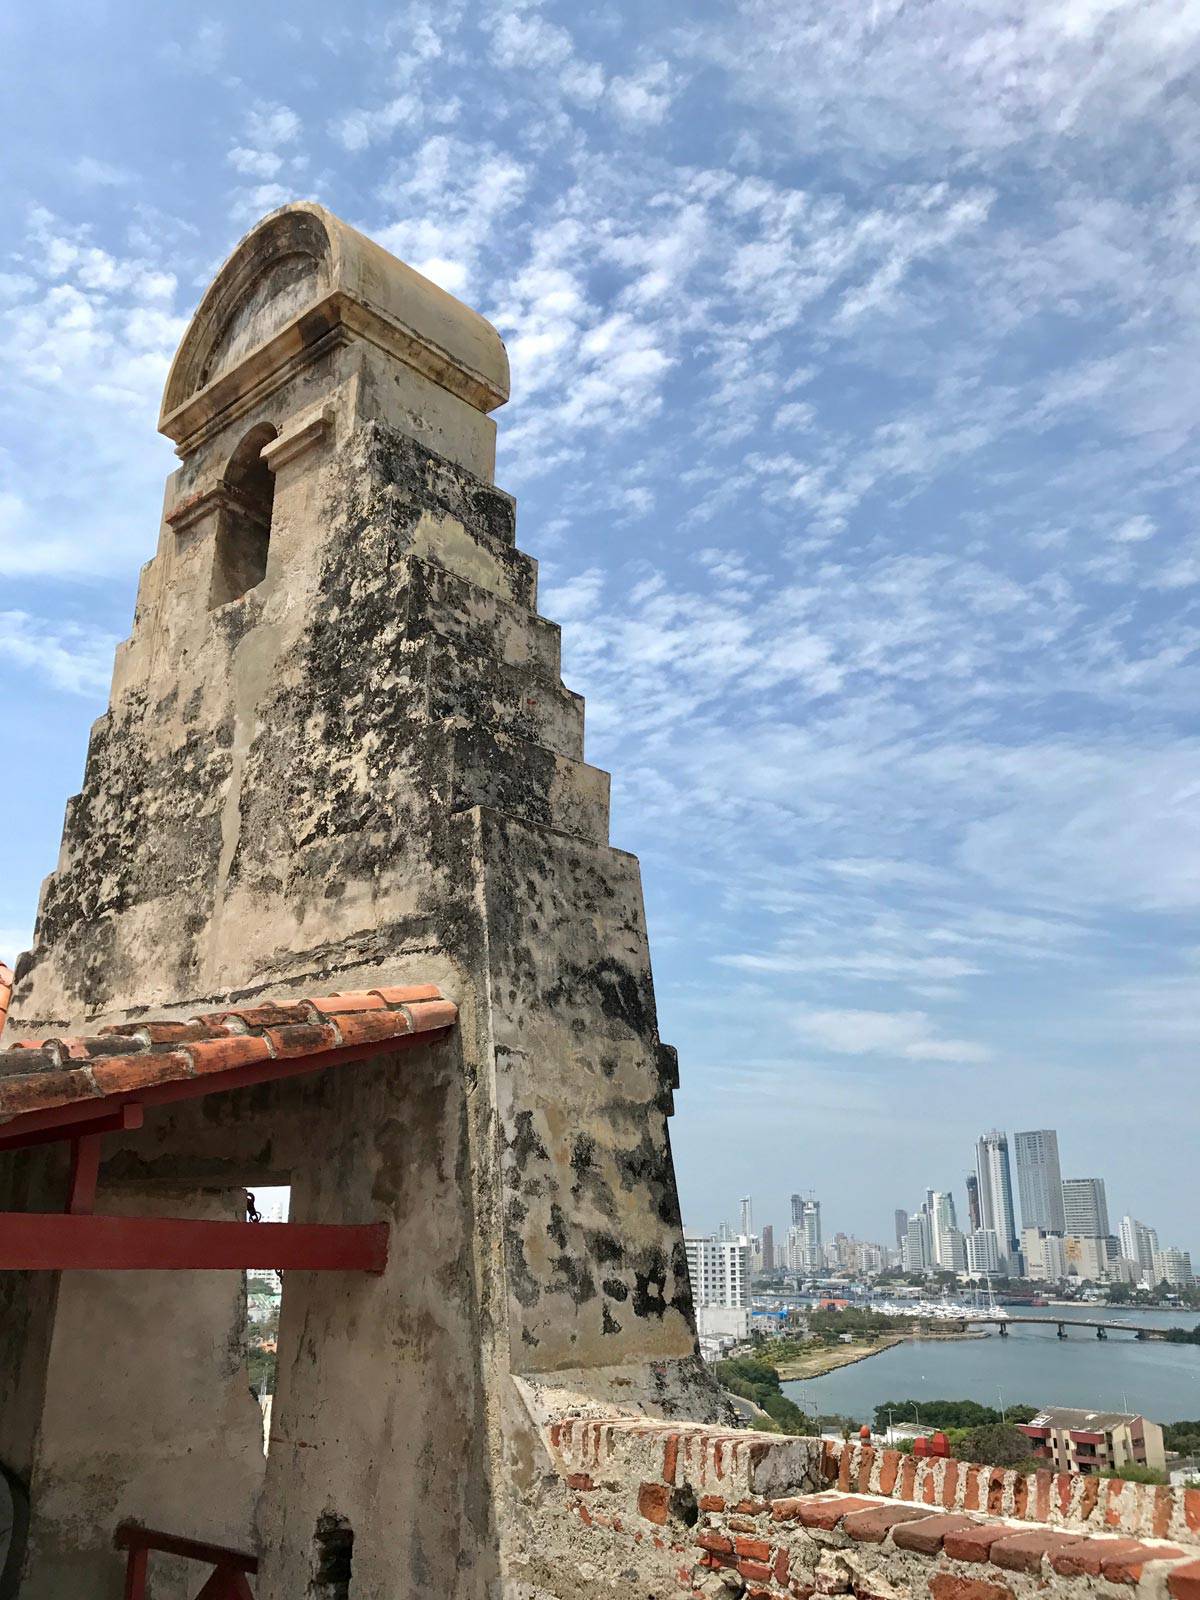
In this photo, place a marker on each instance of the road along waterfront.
(1162, 1381)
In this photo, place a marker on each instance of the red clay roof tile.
(124, 1057)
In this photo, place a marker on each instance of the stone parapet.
(708, 1511)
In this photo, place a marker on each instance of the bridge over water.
(1103, 1328)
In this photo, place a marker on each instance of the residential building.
(746, 1216)
(901, 1227)
(797, 1210)
(1085, 1207)
(1044, 1255)
(1174, 1267)
(917, 1249)
(719, 1327)
(984, 1256)
(974, 1214)
(995, 1192)
(1139, 1243)
(719, 1269)
(1039, 1180)
(1085, 1257)
(810, 1223)
(947, 1246)
(768, 1248)
(1094, 1441)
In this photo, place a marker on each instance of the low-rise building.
(1070, 1440)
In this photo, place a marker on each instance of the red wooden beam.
(85, 1170)
(39, 1241)
(124, 1120)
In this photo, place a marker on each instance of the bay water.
(1031, 1366)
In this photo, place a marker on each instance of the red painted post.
(135, 1573)
(920, 1446)
(939, 1445)
(85, 1169)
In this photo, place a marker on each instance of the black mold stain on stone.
(525, 1142)
(577, 1279)
(615, 1289)
(605, 1248)
(557, 1226)
(609, 1323)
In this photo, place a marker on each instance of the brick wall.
(698, 1510)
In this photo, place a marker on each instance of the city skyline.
(1082, 1203)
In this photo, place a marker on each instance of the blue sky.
(856, 376)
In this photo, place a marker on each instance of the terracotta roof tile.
(123, 1058)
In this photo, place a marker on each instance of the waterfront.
(1162, 1381)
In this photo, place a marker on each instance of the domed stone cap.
(295, 278)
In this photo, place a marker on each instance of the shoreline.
(825, 1361)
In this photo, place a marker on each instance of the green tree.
(999, 1444)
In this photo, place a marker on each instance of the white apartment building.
(719, 1269)
(1139, 1243)
(995, 1193)
(1175, 1266)
(983, 1252)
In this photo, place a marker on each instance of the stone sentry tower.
(338, 754)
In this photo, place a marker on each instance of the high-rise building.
(768, 1248)
(1043, 1254)
(1139, 1243)
(719, 1269)
(917, 1249)
(810, 1221)
(1039, 1180)
(1174, 1267)
(1085, 1207)
(946, 1242)
(974, 1215)
(746, 1216)
(797, 1210)
(995, 1191)
(983, 1252)
(901, 1227)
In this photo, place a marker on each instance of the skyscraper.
(1039, 1180)
(995, 1190)
(810, 1221)
(797, 1210)
(768, 1248)
(747, 1217)
(974, 1215)
(901, 1227)
(1085, 1207)
(1139, 1243)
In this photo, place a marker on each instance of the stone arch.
(244, 535)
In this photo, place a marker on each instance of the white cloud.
(93, 173)
(68, 656)
(643, 98)
(906, 1035)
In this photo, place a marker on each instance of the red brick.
(971, 1492)
(1020, 1494)
(653, 1502)
(753, 1507)
(712, 1502)
(1042, 1480)
(830, 1457)
(929, 1488)
(1066, 1484)
(866, 1459)
(710, 1539)
(1091, 1493)
(670, 1457)
(1184, 1582)
(1024, 1552)
(950, 1485)
(995, 1490)
(927, 1534)
(755, 1570)
(579, 1480)
(873, 1526)
(1126, 1566)
(973, 1544)
(948, 1586)
(843, 1477)
(1191, 1509)
(1164, 1504)
(782, 1563)
(1084, 1558)
(756, 1549)
(908, 1478)
(741, 1525)
(817, 1512)
(889, 1468)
